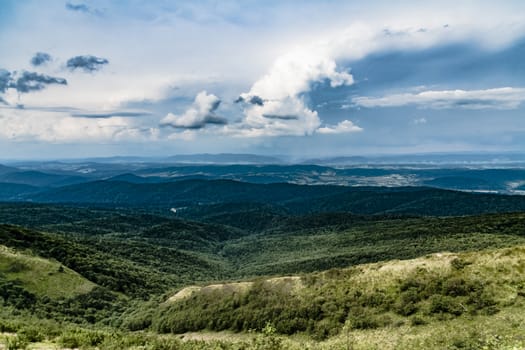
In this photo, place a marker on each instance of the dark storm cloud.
(31, 81)
(5, 80)
(215, 105)
(87, 63)
(281, 117)
(78, 7)
(40, 58)
(254, 100)
(83, 8)
(125, 114)
(210, 119)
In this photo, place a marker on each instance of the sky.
(304, 78)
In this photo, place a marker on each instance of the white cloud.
(498, 98)
(284, 111)
(287, 116)
(292, 75)
(345, 126)
(186, 135)
(58, 127)
(152, 51)
(200, 114)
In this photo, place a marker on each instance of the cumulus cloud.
(294, 73)
(87, 63)
(199, 115)
(277, 105)
(498, 98)
(25, 81)
(40, 58)
(345, 126)
(59, 127)
(285, 88)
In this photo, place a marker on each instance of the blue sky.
(298, 78)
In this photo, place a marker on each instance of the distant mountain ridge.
(225, 158)
(504, 180)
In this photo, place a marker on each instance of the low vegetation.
(441, 301)
(79, 277)
(435, 288)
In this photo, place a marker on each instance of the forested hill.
(191, 195)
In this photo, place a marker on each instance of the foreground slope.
(397, 304)
(388, 305)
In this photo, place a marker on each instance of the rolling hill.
(401, 302)
(39, 276)
(193, 196)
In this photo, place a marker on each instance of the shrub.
(440, 304)
(31, 334)
(7, 326)
(81, 338)
(456, 286)
(325, 328)
(417, 321)
(459, 264)
(407, 303)
(360, 318)
(268, 339)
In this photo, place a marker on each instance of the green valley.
(259, 276)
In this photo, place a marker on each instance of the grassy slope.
(439, 301)
(41, 276)
(376, 305)
(473, 300)
(133, 267)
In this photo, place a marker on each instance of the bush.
(417, 321)
(456, 286)
(459, 264)
(407, 303)
(268, 339)
(360, 318)
(81, 338)
(7, 326)
(440, 304)
(483, 300)
(31, 334)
